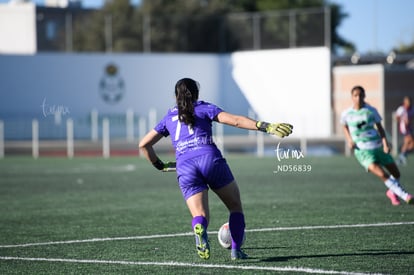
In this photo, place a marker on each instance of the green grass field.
(121, 216)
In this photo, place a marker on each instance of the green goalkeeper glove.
(278, 129)
(169, 167)
(164, 167)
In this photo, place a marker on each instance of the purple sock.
(237, 225)
(199, 219)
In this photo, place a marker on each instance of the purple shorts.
(201, 172)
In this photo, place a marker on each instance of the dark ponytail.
(186, 93)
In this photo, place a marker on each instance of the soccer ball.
(224, 236)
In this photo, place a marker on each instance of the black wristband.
(261, 126)
(158, 164)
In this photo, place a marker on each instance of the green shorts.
(367, 157)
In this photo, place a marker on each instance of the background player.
(405, 115)
(199, 163)
(366, 136)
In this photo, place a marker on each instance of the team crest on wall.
(112, 86)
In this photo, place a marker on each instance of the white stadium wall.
(286, 85)
(18, 28)
(80, 82)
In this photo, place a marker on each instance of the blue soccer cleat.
(238, 254)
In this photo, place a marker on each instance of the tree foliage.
(116, 27)
(405, 48)
(208, 26)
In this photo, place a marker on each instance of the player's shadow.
(264, 247)
(362, 253)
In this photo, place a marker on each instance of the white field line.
(100, 240)
(181, 264)
(330, 226)
(210, 232)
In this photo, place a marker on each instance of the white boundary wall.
(18, 28)
(288, 85)
(280, 85)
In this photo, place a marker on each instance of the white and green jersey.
(361, 124)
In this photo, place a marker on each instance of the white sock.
(395, 187)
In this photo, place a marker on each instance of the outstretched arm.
(237, 121)
(278, 129)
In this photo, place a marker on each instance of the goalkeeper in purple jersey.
(199, 163)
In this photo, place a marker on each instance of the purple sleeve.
(212, 110)
(161, 128)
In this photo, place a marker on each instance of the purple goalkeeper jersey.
(190, 141)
